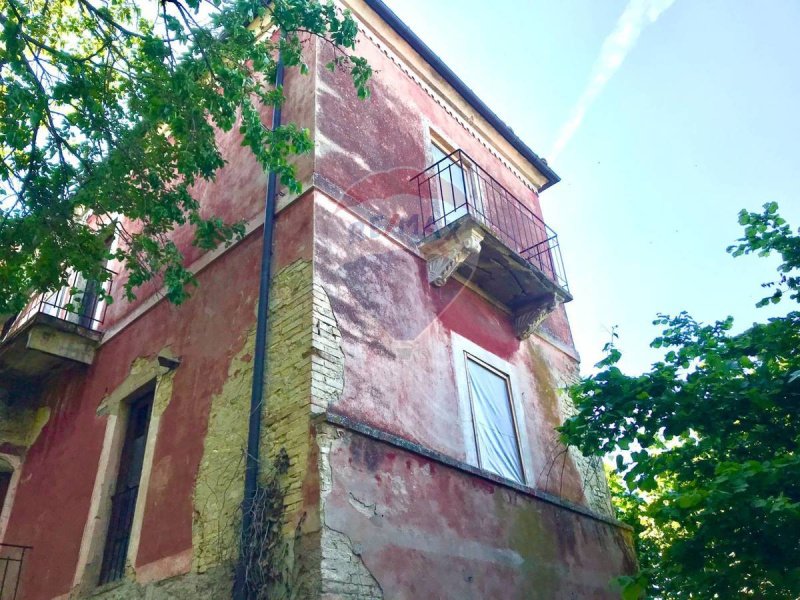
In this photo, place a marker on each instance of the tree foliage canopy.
(706, 443)
(108, 116)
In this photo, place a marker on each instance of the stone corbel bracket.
(445, 255)
(528, 318)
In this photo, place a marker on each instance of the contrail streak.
(637, 15)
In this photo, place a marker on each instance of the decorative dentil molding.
(440, 99)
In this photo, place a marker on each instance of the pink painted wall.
(396, 337)
(436, 532)
(59, 470)
(236, 194)
(425, 530)
(398, 372)
(54, 494)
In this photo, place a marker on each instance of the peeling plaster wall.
(219, 485)
(413, 528)
(357, 330)
(398, 373)
(20, 425)
(343, 573)
(189, 525)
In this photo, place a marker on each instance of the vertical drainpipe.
(259, 360)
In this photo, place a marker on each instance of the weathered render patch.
(144, 370)
(220, 479)
(343, 572)
(20, 425)
(553, 382)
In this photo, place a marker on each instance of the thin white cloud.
(637, 15)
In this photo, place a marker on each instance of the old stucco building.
(418, 346)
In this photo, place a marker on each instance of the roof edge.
(471, 97)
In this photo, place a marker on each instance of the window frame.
(444, 209)
(144, 396)
(509, 398)
(462, 351)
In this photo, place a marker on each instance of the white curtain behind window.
(498, 449)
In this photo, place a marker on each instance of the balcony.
(475, 229)
(54, 330)
(12, 559)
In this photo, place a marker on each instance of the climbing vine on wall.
(271, 570)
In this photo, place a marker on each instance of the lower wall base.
(216, 584)
(398, 524)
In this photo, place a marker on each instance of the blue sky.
(690, 112)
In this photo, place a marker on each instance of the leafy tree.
(706, 443)
(109, 113)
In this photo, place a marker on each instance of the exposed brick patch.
(287, 409)
(327, 373)
(219, 486)
(305, 370)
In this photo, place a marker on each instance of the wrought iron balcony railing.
(12, 558)
(79, 302)
(456, 186)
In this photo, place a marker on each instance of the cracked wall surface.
(374, 521)
(305, 375)
(402, 526)
(343, 573)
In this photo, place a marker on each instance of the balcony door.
(449, 195)
(458, 187)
